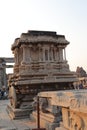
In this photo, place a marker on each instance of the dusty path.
(6, 123)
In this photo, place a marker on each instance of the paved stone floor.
(6, 123)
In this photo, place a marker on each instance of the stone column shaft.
(61, 54)
(64, 54)
(43, 54)
(24, 54)
(51, 54)
(28, 54)
(40, 54)
(55, 54)
(16, 56)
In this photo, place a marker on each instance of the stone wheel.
(13, 97)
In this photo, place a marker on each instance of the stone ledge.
(18, 113)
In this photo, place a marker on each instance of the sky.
(66, 17)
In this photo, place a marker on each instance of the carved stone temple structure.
(63, 110)
(40, 65)
(3, 66)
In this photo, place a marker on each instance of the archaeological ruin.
(40, 65)
(3, 66)
(63, 110)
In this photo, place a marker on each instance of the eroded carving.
(73, 108)
(74, 103)
(76, 122)
(40, 61)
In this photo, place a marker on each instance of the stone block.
(18, 113)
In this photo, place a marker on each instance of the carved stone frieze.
(72, 104)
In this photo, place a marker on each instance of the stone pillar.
(61, 54)
(28, 54)
(64, 54)
(43, 54)
(57, 53)
(16, 56)
(40, 52)
(24, 54)
(48, 53)
(4, 77)
(65, 116)
(51, 53)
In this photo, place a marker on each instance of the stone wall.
(63, 110)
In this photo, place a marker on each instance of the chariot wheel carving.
(13, 97)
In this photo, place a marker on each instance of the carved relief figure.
(76, 122)
(74, 103)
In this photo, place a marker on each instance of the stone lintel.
(73, 99)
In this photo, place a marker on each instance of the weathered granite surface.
(40, 65)
(3, 66)
(71, 106)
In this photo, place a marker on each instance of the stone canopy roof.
(39, 37)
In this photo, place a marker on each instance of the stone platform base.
(18, 113)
